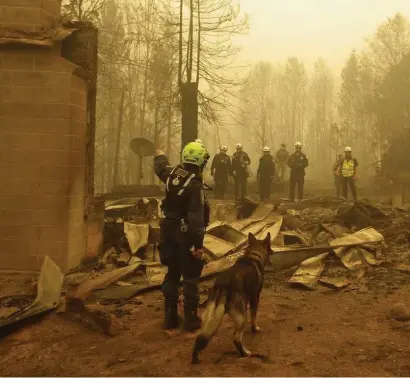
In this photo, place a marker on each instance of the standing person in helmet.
(265, 173)
(221, 168)
(240, 163)
(282, 156)
(182, 231)
(347, 173)
(297, 163)
(336, 174)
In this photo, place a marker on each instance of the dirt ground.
(324, 332)
(305, 333)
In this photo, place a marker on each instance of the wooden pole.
(119, 130)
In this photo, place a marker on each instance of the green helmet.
(195, 153)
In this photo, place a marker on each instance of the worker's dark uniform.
(186, 213)
(297, 163)
(221, 168)
(282, 155)
(240, 161)
(266, 171)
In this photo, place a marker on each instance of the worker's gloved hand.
(159, 153)
(198, 253)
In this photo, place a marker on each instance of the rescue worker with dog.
(297, 163)
(347, 173)
(265, 173)
(240, 171)
(182, 232)
(221, 169)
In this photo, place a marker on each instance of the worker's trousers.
(176, 256)
(221, 181)
(241, 186)
(264, 187)
(337, 185)
(299, 181)
(348, 181)
(282, 166)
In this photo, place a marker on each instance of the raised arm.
(162, 167)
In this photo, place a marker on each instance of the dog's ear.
(251, 239)
(267, 244)
(267, 241)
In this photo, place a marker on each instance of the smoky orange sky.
(309, 29)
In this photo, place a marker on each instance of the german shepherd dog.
(235, 289)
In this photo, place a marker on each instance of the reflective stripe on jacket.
(348, 168)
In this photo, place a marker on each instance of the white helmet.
(198, 141)
(266, 149)
(298, 144)
(224, 148)
(238, 145)
(348, 149)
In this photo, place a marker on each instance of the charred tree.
(188, 89)
(189, 111)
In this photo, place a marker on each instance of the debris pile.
(306, 235)
(48, 295)
(325, 241)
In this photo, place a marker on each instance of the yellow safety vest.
(348, 168)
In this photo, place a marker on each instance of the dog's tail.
(211, 320)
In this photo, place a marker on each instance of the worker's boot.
(192, 322)
(171, 319)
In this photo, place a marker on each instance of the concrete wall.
(42, 159)
(29, 15)
(43, 131)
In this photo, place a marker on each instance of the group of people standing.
(224, 167)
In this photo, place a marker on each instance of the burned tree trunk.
(189, 110)
(188, 90)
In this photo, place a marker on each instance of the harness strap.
(169, 177)
(186, 184)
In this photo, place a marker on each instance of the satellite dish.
(142, 147)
